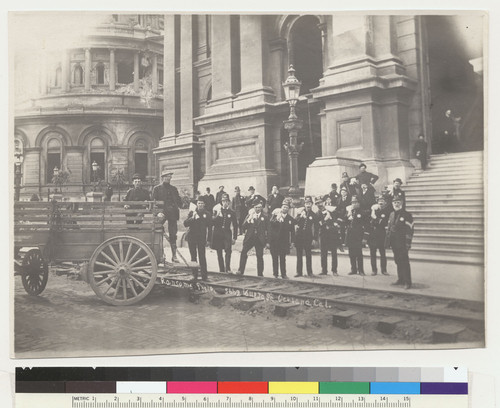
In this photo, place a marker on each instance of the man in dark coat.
(334, 195)
(220, 193)
(198, 222)
(420, 151)
(281, 235)
(396, 191)
(366, 199)
(399, 237)
(167, 193)
(256, 225)
(350, 187)
(378, 225)
(274, 200)
(239, 207)
(306, 233)
(253, 198)
(137, 193)
(356, 222)
(209, 206)
(329, 235)
(343, 203)
(222, 237)
(365, 177)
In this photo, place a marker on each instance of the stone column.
(65, 72)
(221, 57)
(88, 69)
(112, 70)
(169, 78)
(154, 74)
(251, 56)
(136, 72)
(186, 68)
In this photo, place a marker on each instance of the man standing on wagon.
(167, 193)
(137, 193)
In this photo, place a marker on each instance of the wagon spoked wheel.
(122, 270)
(34, 272)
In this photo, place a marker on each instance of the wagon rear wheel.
(34, 272)
(122, 270)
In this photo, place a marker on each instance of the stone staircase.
(447, 203)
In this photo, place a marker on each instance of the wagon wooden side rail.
(122, 242)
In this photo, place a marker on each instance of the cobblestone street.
(69, 320)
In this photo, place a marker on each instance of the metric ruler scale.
(238, 401)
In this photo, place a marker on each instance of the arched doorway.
(305, 52)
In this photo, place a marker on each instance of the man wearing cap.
(306, 233)
(334, 195)
(329, 235)
(281, 236)
(253, 198)
(238, 205)
(198, 222)
(399, 237)
(396, 191)
(167, 193)
(274, 200)
(379, 217)
(137, 193)
(218, 196)
(343, 203)
(222, 237)
(209, 206)
(365, 177)
(356, 222)
(256, 225)
(347, 185)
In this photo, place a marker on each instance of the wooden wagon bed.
(123, 246)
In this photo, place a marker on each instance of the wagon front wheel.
(122, 270)
(34, 272)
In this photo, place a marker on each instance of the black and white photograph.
(220, 182)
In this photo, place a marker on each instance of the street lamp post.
(293, 125)
(18, 174)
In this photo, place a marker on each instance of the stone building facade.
(202, 95)
(370, 85)
(99, 101)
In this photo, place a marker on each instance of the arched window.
(97, 156)
(58, 77)
(305, 52)
(141, 157)
(53, 158)
(78, 75)
(99, 68)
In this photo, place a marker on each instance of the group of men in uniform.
(352, 218)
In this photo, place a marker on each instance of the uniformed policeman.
(167, 193)
(198, 222)
(222, 237)
(329, 235)
(356, 222)
(137, 193)
(256, 226)
(306, 233)
(399, 237)
(281, 236)
(378, 224)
